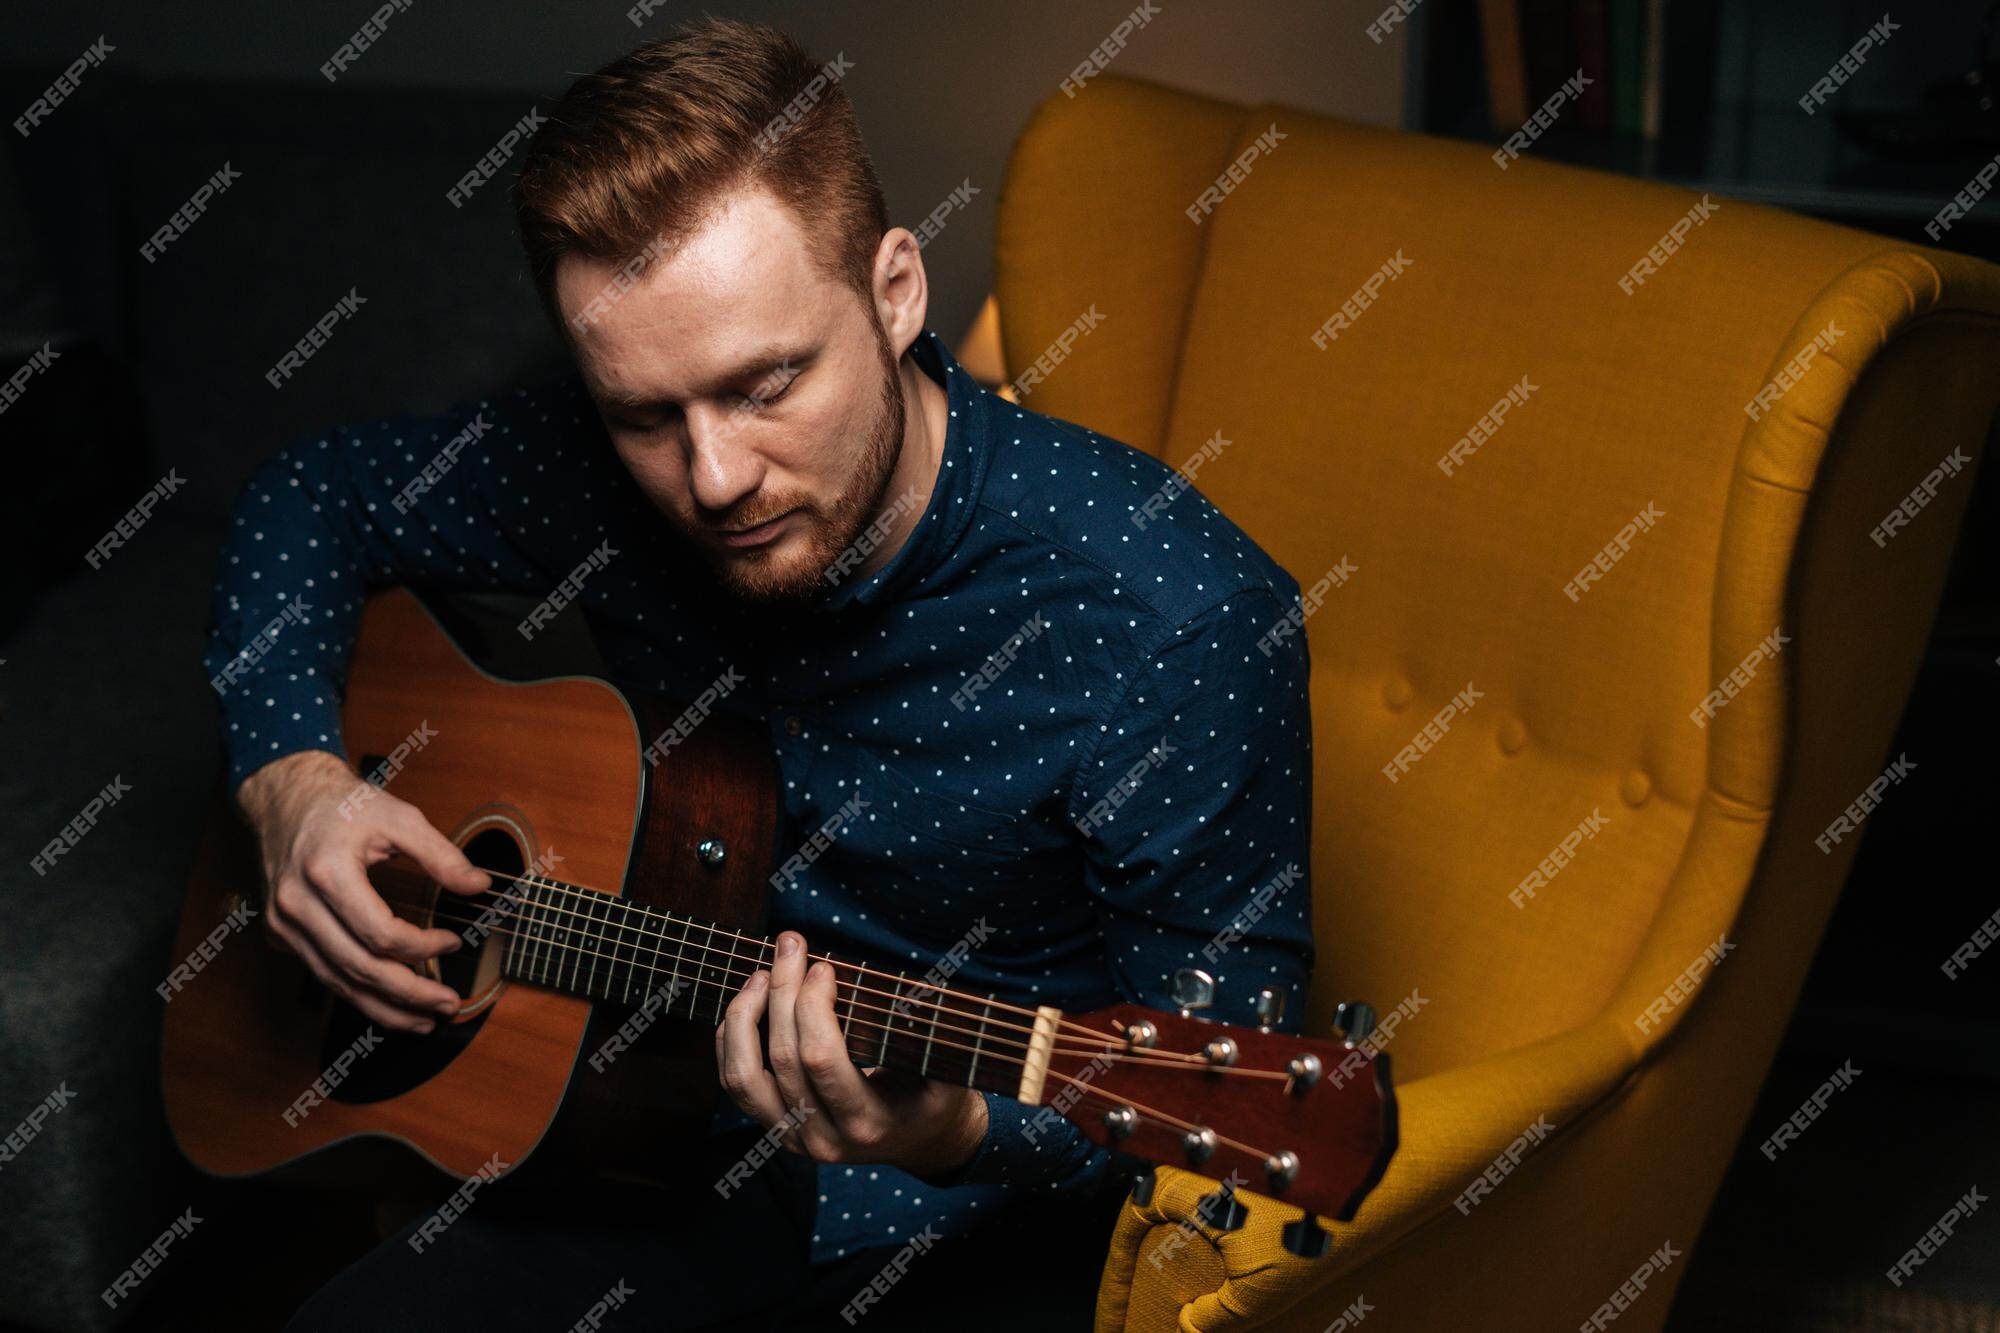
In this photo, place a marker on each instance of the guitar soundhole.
(399, 1061)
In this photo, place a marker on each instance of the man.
(1031, 682)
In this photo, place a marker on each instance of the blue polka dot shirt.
(1063, 731)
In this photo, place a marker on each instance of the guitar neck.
(605, 948)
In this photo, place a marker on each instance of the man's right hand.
(318, 901)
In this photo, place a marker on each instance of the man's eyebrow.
(759, 367)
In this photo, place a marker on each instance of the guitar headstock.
(1310, 1121)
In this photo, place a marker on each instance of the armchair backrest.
(1504, 425)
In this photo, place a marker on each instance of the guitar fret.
(707, 961)
(584, 950)
(925, 1067)
(674, 986)
(889, 1022)
(538, 960)
(653, 968)
(978, 1040)
(627, 933)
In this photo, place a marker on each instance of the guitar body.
(263, 1068)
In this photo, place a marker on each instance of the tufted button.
(1396, 692)
(793, 726)
(1513, 735)
(1635, 787)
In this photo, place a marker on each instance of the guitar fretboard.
(604, 948)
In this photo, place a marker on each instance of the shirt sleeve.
(472, 500)
(1196, 816)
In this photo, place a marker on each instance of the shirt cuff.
(1024, 1143)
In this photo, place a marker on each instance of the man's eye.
(755, 399)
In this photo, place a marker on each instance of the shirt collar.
(947, 514)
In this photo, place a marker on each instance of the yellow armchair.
(1611, 465)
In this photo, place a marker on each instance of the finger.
(739, 1054)
(343, 884)
(385, 977)
(442, 859)
(372, 1008)
(788, 971)
(838, 1087)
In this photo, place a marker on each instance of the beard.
(793, 568)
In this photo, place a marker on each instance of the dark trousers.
(512, 1260)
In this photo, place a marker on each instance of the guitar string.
(1061, 1043)
(579, 893)
(691, 925)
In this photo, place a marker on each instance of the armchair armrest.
(1455, 1126)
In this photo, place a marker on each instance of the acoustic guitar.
(625, 892)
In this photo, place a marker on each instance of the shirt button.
(793, 726)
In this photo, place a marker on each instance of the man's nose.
(722, 466)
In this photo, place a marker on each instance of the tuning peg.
(1192, 989)
(1353, 1020)
(1221, 1211)
(1306, 1238)
(1270, 1008)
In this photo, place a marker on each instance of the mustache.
(741, 519)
